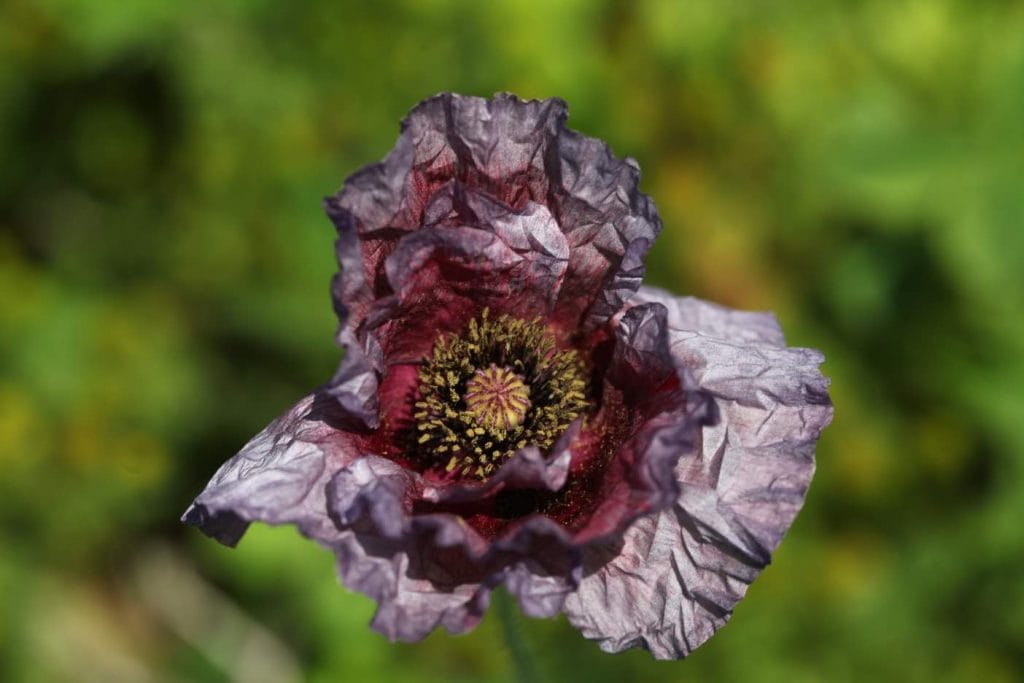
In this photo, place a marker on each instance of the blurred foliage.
(164, 269)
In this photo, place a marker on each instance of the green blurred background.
(164, 263)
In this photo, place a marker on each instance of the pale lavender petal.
(714, 320)
(677, 575)
(279, 477)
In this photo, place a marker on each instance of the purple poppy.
(515, 409)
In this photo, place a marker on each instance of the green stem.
(526, 672)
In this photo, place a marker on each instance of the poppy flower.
(514, 409)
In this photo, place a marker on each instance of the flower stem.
(526, 672)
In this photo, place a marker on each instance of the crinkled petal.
(279, 477)
(652, 410)
(361, 214)
(429, 570)
(676, 576)
(530, 230)
(516, 153)
(419, 580)
(414, 595)
(610, 225)
(304, 470)
(356, 385)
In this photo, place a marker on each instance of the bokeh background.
(858, 167)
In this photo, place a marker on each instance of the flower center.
(499, 386)
(497, 398)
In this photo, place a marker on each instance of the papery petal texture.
(539, 559)
(461, 160)
(683, 432)
(280, 476)
(677, 575)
